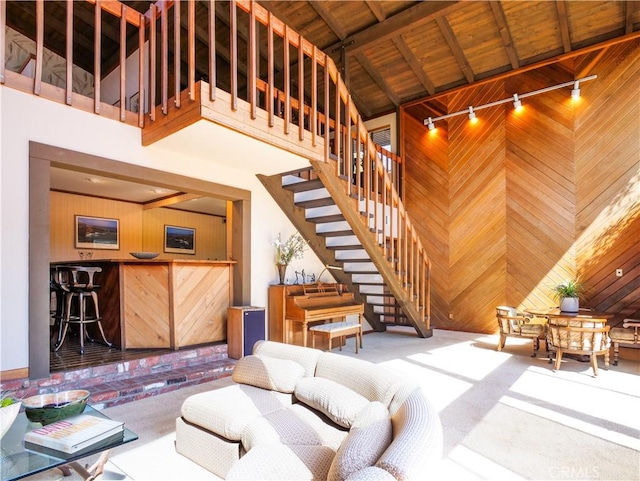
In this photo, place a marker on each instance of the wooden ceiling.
(392, 52)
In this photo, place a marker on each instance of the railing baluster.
(313, 120)
(212, 50)
(164, 58)
(153, 58)
(233, 15)
(252, 59)
(69, 53)
(176, 55)
(300, 88)
(348, 147)
(287, 81)
(270, 100)
(97, 47)
(37, 81)
(123, 62)
(191, 37)
(141, 89)
(327, 111)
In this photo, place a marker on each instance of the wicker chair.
(518, 324)
(579, 337)
(628, 334)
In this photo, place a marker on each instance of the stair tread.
(311, 203)
(335, 233)
(326, 218)
(305, 186)
(350, 247)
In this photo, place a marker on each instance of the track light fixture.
(517, 104)
(516, 99)
(430, 124)
(575, 93)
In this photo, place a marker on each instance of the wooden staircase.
(342, 234)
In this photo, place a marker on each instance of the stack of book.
(74, 435)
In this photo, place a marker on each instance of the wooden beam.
(174, 199)
(629, 8)
(377, 78)
(329, 19)
(564, 25)
(409, 19)
(505, 33)
(455, 47)
(376, 9)
(416, 67)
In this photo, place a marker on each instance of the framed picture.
(96, 233)
(179, 240)
(134, 102)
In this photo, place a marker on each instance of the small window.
(382, 137)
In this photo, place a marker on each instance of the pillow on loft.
(336, 401)
(268, 373)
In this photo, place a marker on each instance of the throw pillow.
(268, 373)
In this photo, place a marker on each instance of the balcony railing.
(142, 63)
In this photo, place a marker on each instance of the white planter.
(570, 304)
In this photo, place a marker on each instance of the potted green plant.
(569, 294)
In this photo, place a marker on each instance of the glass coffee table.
(18, 462)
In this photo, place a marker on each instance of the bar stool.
(76, 289)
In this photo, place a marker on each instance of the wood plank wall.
(140, 230)
(517, 203)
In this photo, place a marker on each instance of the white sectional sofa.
(296, 413)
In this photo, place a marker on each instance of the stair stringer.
(297, 216)
(349, 206)
(350, 210)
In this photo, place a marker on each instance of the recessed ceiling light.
(157, 191)
(93, 180)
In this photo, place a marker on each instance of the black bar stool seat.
(79, 285)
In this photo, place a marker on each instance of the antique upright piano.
(306, 304)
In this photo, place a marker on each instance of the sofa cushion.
(296, 424)
(417, 429)
(268, 373)
(279, 462)
(369, 436)
(305, 356)
(227, 411)
(369, 380)
(338, 402)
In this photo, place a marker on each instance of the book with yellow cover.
(75, 433)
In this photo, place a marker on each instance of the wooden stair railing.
(277, 71)
(381, 294)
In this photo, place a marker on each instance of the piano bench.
(337, 329)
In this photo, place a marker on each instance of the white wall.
(25, 118)
(384, 121)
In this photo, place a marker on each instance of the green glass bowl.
(49, 408)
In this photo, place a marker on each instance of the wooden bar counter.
(163, 303)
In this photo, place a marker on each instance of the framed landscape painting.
(96, 233)
(179, 240)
